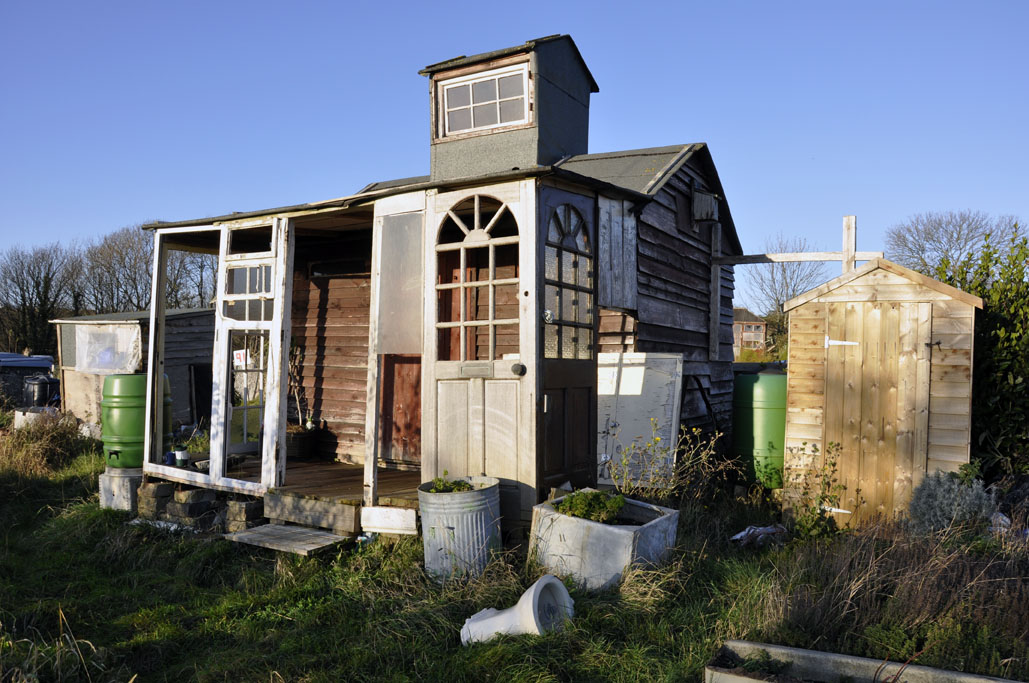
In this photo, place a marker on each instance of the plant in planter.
(597, 553)
(299, 434)
(460, 524)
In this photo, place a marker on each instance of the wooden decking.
(345, 483)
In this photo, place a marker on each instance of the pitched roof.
(640, 170)
(528, 46)
(743, 315)
(889, 266)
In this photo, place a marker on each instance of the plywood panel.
(501, 428)
(452, 406)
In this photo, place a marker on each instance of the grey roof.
(131, 316)
(641, 170)
(528, 46)
(392, 184)
(743, 315)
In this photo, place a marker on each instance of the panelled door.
(569, 329)
(479, 348)
(877, 401)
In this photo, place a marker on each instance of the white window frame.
(470, 79)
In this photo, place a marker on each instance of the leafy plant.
(657, 471)
(599, 506)
(820, 491)
(942, 501)
(1000, 406)
(444, 485)
(199, 441)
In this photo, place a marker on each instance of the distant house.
(450, 323)
(748, 331)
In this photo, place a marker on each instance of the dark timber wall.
(674, 253)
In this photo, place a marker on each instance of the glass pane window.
(486, 100)
(568, 293)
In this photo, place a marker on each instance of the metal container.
(40, 390)
(759, 425)
(461, 529)
(123, 418)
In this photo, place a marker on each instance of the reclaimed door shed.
(880, 362)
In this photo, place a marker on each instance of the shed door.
(569, 342)
(877, 402)
(481, 368)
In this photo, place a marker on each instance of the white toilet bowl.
(544, 607)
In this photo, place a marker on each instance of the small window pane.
(506, 341)
(457, 97)
(235, 310)
(550, 341)
(585, 344)
(568, 342)
(250, 240)
(568, 262)
(551, 269)
(461, 119)
(485, 115)
(484, 91)
(236, 281)
(477, 299)
(585, 308)
(267, 275)
(254, 312)
(568, 305)
(585, 273)
(552, 301)
(268, 309)
(510, 86)
(512, 110)
(255, 280)
(477, 263)
(505, 302)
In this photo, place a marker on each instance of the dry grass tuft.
(43, 446)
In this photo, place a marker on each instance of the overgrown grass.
(85, 596)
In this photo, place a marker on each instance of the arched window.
(568, 278)
(477, 282)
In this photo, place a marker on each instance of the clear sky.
(116, 112)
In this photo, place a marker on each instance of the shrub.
(43, 446)
(820, 490)
(1000, 406)
(598, 506)
(942, 501)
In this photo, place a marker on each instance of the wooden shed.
(90, 347)
(880, 362)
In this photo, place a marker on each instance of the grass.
(84, 596)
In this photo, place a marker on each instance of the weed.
(599, 506)
(43, 446)
(820, 493)
(445, 485)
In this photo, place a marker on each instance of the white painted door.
(478, 414)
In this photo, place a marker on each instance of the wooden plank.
(809, 416)
(811, 387)
(952, 357)
(290, 539)
(389, 520)
(853, 383)
(714, 311)
(372, 405)
(808, 356)
(953, 309)
(948, 437)
(888, 393)
(958, 454)
(943, 324)
(798, 256)
(332, 514)
(923, 318)
(944, 465)
(814, 326)
(849, 243)
(807, 370)
(951, 373)
(808, 341)
(950, 406)
(906, 392)
(813, 311)
(950, 390)
(948, 340)
(882, 293)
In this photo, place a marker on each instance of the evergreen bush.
(942, 501)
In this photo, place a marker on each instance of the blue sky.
(118, 112)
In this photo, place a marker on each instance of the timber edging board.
(342, 517)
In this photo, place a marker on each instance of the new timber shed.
(880, 362)
(450, 323)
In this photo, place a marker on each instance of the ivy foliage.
(999, 274)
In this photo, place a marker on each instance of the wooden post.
(849, 243)
(715, 305)
(153, 442)
(371, 418)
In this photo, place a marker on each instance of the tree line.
(109, 274)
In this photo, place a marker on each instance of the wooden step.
(338, 514)
(299, 540)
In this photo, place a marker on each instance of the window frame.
(443, 125)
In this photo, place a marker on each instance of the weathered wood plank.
(923, 319)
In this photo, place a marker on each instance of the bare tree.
(770, 285)
(925, 240)
(33, 291)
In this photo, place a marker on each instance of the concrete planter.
(596, 554)
(827, 667)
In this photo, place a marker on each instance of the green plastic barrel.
(759, 425)
(123, 419)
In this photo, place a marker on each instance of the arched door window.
(568, 278)
(477, 282)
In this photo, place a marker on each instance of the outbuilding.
(880, 362)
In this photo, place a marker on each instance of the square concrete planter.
(596, 554)
(825, 667)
